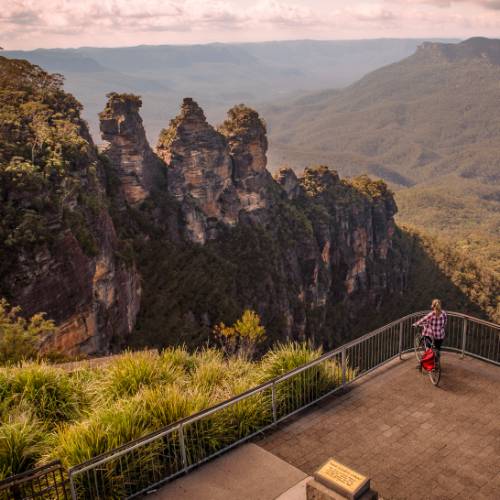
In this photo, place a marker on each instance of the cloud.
(33, 23)
(373, 15)
(151, 15)
(487, 4)
(21, 17)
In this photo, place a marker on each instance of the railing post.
(72, 486)
(344, 366)
(273, 401)
(182, 445)
(401, 340)
(464, 337)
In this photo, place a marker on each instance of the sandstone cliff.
(58, 245)
(199, 171)
(128, 149)
(218, 176)
(304, 252)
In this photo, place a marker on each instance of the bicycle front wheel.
(435, 374)
(419, 345)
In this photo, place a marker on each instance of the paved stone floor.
(414, 440)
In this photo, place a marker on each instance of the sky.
(29, 24)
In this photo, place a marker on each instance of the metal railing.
(43, 483)
(149, 462)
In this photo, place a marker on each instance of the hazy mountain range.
(216, 75)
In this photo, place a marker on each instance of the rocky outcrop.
(318, 244)
(199, 171)
(94, 300)
(128, 148)
(79, 282)
(347, 265)
(215, 174)
(247, 139)
(59, 250)
(479, 48)
(288, 180)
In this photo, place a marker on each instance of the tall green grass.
(307, 385)
(133, 371)
(91, 411)
(51, 394)
(22, 440)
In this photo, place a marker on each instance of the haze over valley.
(216, 75)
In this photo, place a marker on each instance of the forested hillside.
(427, 125)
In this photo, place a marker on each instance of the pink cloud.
(129, 22)
(488, 4)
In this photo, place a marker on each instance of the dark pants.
(437, 343)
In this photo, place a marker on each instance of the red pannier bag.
(428, 361)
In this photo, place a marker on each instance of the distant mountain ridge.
(473, 48)
(216, 74)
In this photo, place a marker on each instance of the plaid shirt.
(434, 325)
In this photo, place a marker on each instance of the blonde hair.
(436, 306)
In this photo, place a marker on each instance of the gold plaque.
(342, 479)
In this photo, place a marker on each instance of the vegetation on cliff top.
(240, 118)
(47, 163)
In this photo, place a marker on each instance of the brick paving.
(414, 440)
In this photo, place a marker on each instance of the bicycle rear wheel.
(419, 345)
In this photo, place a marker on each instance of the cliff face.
(94, 299)
(199, 171)
(58, 244)
(287, 179)
(304, 252)
(343, 261)
(246, 135)
(478, 48)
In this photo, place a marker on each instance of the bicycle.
(421, 344)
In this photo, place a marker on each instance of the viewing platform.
(414, 440)
(363, 404)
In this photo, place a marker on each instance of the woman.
(434, 325)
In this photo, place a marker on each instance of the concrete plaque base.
(318, 491)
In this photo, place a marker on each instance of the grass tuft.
(21, 444)
(52, 395)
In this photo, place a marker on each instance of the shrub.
(179, 357)
(304, 387)
(210, 375)
(19, 336)
(126, 420)
(243, 337)
(286, 357)
(140, 393)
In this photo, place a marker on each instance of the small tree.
(19, 337)
(243, 337)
